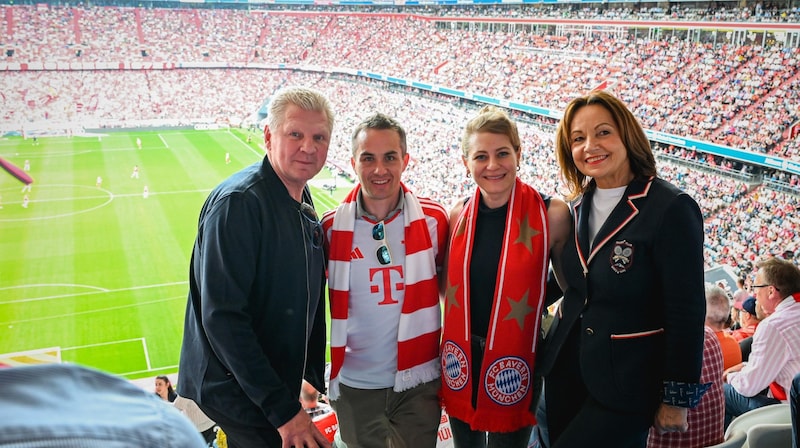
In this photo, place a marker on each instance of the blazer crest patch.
(621, 256)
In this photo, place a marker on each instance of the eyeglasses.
(379, 234)
(754, 287)
(314, 228)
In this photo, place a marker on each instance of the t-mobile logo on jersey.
(385, 282)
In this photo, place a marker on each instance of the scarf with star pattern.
(506, 381)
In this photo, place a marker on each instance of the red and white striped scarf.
(420, 320)
(505, 388)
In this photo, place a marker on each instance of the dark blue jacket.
(255, 323)
(638, 295)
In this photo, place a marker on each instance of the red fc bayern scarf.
(506, 382)
(420, 320)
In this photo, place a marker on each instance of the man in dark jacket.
(255, 324)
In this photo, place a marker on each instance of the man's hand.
(671, 419)
(732, 369)
(300, 432)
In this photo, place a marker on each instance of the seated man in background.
(718, 312)
(775, 356)
(748, 320)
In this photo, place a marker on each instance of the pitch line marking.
(97, 310)
(37, 285)
(101, 291)
(99, 344)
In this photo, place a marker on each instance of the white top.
(190, 409)
(376, 301)
(603, 202)
(775, 354)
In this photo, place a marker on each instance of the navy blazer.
(637, 294)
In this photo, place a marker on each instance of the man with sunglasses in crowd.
(255, 324)
(386, 247)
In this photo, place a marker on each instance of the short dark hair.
(379, 121)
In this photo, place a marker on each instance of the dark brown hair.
(640, 154)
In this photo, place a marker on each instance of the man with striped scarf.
(386, 248)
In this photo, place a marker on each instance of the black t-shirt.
(486, 248)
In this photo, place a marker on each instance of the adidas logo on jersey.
(356, 254)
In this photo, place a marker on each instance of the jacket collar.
(622, 214)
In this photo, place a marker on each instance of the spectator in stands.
(775, 356)
(707, 420)
(634, 288)
(748, 320)
(738, 298)
(67, 405)
(746, 344)
(718, 311)
(164, 388)
(255, 324)
(385, 309)
(203, 424)
(503, 237)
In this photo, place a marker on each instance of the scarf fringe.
(413, 377)
(333, 389)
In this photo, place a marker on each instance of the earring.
(469, 174)
(518, 167)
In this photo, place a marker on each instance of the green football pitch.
(95, 273)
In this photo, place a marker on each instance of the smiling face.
(297, 149)
(597, 148)
(492, 162)
(379, 162)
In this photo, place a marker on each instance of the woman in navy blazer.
(625, 350)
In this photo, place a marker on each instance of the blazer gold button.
(589, 331)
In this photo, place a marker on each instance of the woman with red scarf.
(500, 245)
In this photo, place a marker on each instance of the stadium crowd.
(674, 85)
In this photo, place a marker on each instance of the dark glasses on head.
(312, 226)
(379, 234)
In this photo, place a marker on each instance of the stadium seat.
(769, 435)
(735, 439)
(773, 414)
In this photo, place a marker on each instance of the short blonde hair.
(303, 97)
(493, 120)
